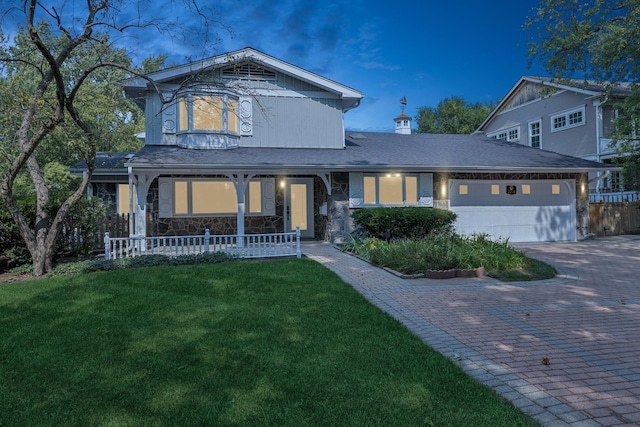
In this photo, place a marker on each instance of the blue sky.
(424, 50)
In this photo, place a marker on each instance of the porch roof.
(370, 151)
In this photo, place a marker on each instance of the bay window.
(202, 112)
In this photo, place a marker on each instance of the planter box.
(470, 272)
(455, 272)
(440, 274)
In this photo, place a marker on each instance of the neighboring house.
(573, 117)
(244, 143)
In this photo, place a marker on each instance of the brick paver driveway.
(586, 323)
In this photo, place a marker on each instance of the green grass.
(448, 251)
(246, 343)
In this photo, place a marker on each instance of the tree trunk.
(42, 261)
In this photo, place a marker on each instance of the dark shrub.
(403, 222)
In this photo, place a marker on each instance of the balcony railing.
(244, 246)
(617, 197)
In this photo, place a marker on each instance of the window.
(609, 114)
(535, 134)
(202, 112)
(390, 189)
(568, 119)
(210, 197)
(614, 182)
(510, 134)
(123, 199)
(575, 118)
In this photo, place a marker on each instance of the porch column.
(599, 136)
(240, 181)
(142, 182)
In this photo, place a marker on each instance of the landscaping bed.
(446, 255)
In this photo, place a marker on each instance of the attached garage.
(522, 211)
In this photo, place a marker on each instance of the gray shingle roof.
(106, 162)
(370, 151)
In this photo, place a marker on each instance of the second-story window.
(567, 119)
(203, 112)
(511, 134)
(535, 134)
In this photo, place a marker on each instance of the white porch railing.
(619, 197)
(245, 246)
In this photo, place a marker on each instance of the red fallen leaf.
(546, 361)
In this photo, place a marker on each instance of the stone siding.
(228, 224)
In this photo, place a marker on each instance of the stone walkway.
(585, 322)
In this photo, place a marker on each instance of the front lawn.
(245, 343)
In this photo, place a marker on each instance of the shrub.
(71, 268)
(403, 222)
(443, 251)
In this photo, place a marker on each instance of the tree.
(55, 103)
(452, 115)
(595, 40)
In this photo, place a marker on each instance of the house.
(244, 143)
(572, 117)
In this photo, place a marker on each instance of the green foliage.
(12, 250)
(453, 116)
(403, 222)
(80, 226)
(593, 39)
(76, 237)
(445, 251)
(81, 267)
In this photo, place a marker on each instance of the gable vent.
(248, 71)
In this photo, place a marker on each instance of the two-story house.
(573, 117)
(245, 143)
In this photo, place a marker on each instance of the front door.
(298, 206)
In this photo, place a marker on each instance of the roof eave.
(196, 168)
(179, 71)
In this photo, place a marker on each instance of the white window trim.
(539, 135)
(507, 134)
(566, 115)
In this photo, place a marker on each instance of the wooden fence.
(614, 219)
(116, 225)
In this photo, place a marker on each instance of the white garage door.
(522, 211)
